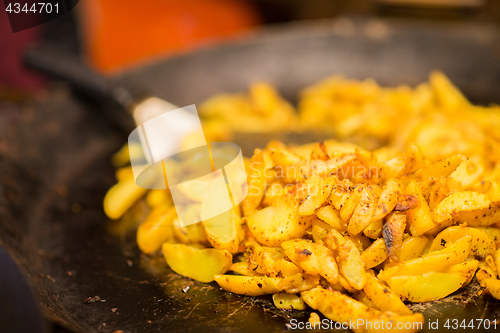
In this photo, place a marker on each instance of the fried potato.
(156, 229)
(493, 286)
(375, 254)
(384, 298)
(271, 261)
(481, 243)
(391, 192)
(223, 231)
(351, 202)
(419, 219)
(331, 216)
(337, 306)
(159, 197)
(411, 212)
(256, 180)
(440, 262)
(319, 190)
(275, 224)
(468, 267)
(440, 169)
(480, 218)
(197, 264)
(299, 282)
(319, 231)
(364, 211)
(242, 268)
(249, 285)
(413, 247)
(351, 265)
(312, 258)
(393, 232)
(408, 324)
(374, 229)
(361, 296)
(459, 202)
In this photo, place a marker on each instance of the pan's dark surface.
(55, 169)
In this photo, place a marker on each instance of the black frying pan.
(56, 169)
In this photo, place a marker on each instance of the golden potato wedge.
(497, 259)
(286, 301)
(351, 265)
(194, 190)
(340, 194)
(493, 192)
(440, 262)
(407, 324)
(427, 287)
(374, 229)
(331, 216)
(481, 243)
(384, 298)
(243, 268)
(158, 197)
(419, 219)
(190, 234)
(457, 202)
(462, 248)
(256, 181)
(391, 192)
(275, 224)
(198, 264)
(271, 261)
(156, 229)
(299, 282)
(364, 211)
(466, 268)
(283, 157)
(480, 218)
(223, 231)
(393, 168)
(337, 306)
(318, 190)
(393, 232)
(493, 286)
(442, 168)
(334, 239)
(375, 254)
(121, 196)
(249, 285)
(413, 247)
(312, 258)
(319, 230)
(361, 296)
(493, 233)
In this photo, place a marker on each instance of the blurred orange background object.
(119, 33)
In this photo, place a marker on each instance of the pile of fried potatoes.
(349, 232)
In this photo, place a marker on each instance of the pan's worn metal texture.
(55, 169)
